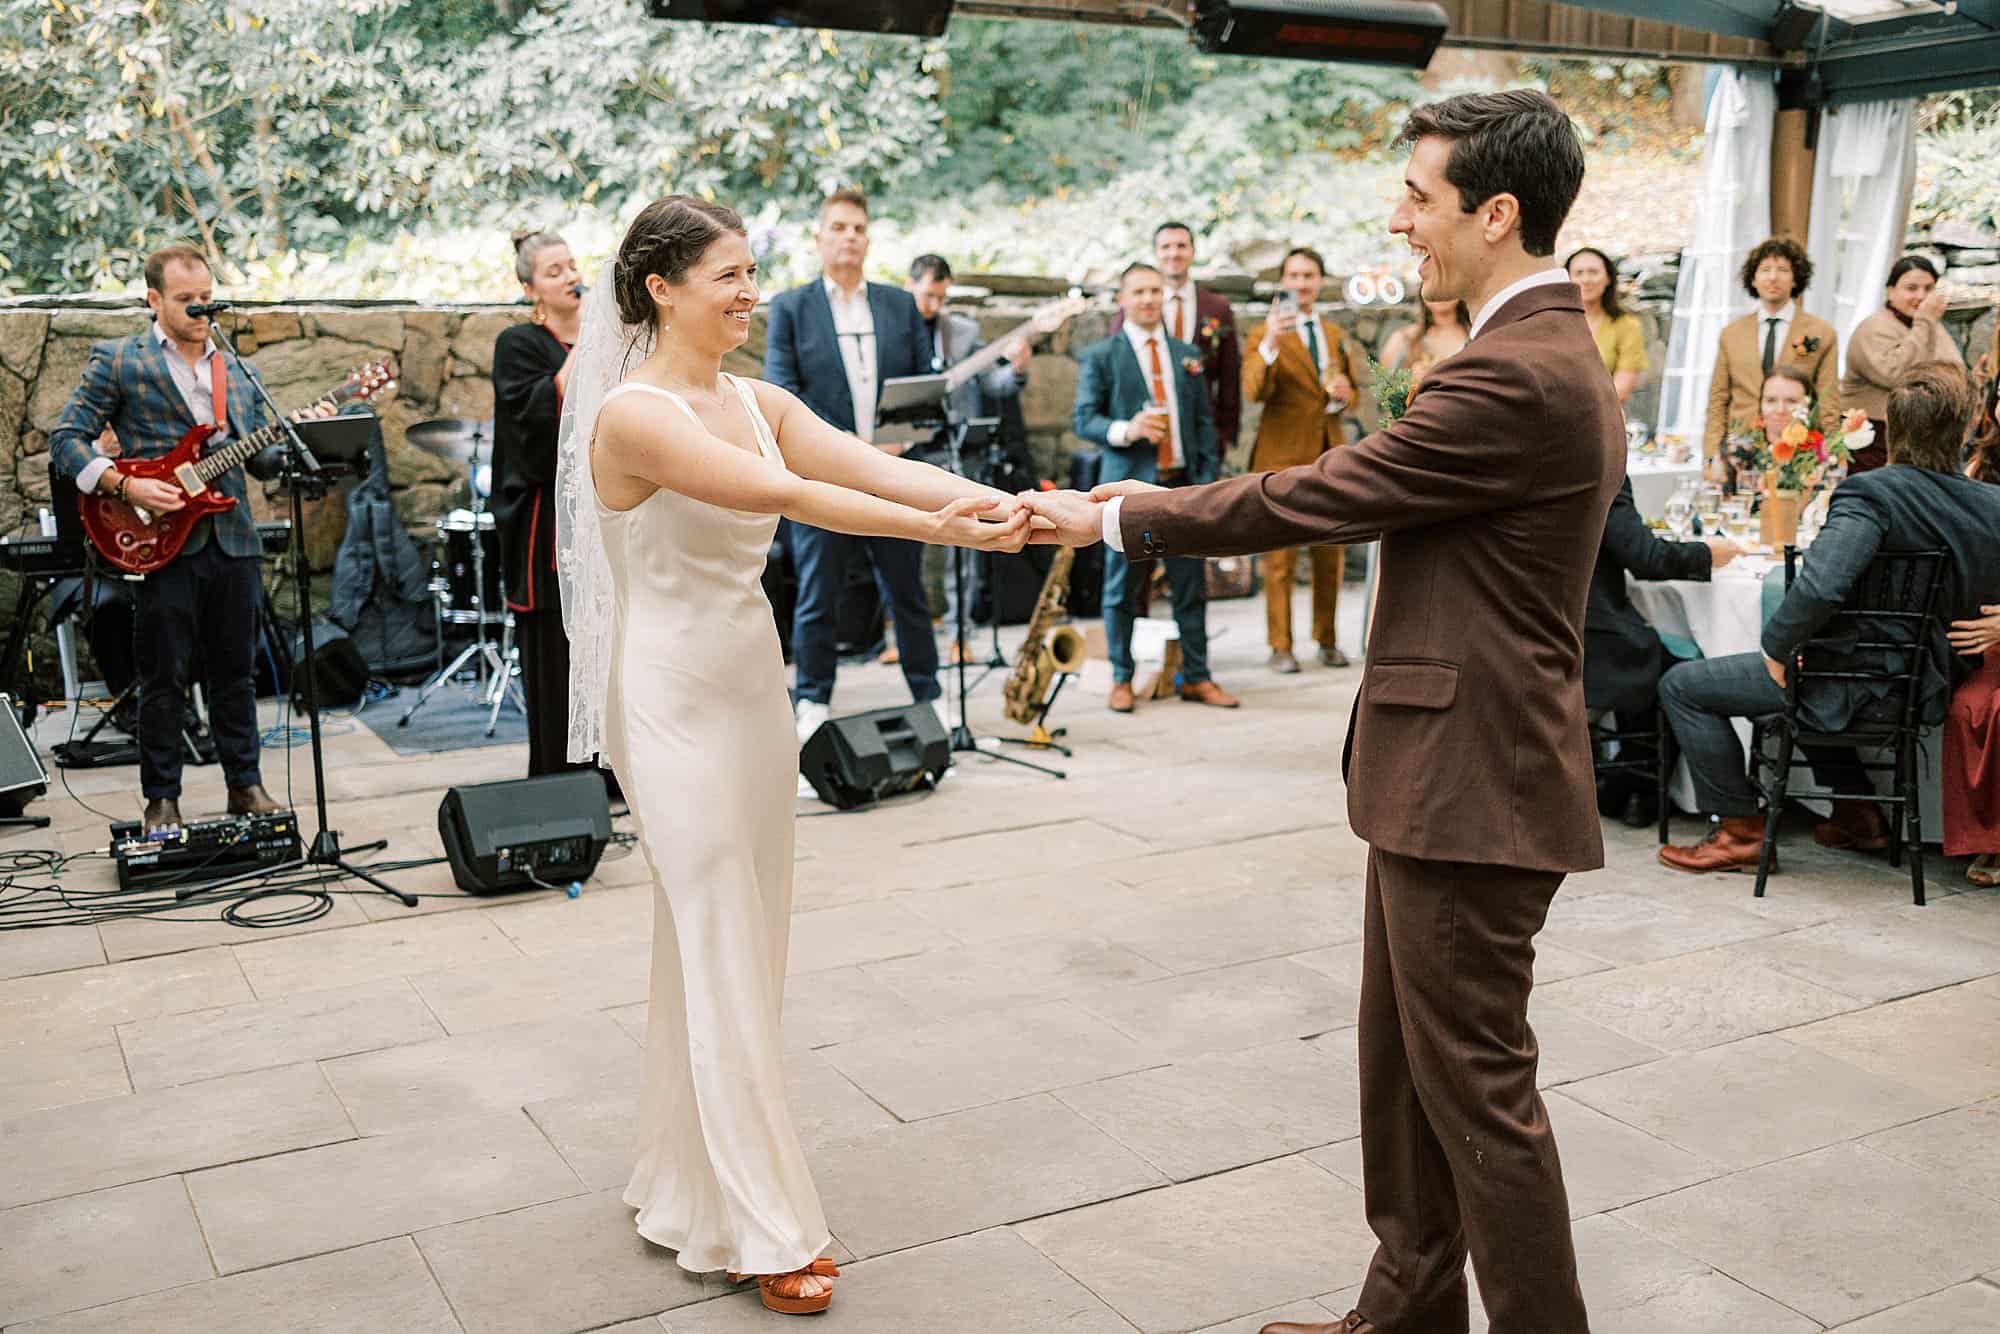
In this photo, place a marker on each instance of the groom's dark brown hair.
(1515, 143)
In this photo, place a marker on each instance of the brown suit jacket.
(1296, 427)
(1468, 740)
(1736, 386)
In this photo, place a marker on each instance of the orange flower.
(1795, 434)
(1783, 448)
(1853, 422)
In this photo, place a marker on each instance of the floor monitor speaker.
(862, 758)
(545, 832)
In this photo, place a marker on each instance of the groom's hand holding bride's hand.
(1076, 519)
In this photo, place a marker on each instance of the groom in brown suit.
(1468, 755)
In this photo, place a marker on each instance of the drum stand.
(494, 662)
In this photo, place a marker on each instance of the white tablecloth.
(1654, 481)
(1726, 615)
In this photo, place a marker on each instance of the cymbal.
(456, 440)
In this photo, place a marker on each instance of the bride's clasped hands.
(986, 524)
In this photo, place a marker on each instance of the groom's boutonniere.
(1192, 365)
(1806, 345)
(1210, 328)
(1393, 390)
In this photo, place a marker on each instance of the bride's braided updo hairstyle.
(668, 237)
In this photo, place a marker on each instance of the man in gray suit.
(953, 338)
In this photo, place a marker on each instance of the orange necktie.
(1180, 335)
(1166, 454)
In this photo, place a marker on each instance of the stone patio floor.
(1067, 1056)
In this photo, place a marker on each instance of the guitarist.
(994, 392)
(152, 388)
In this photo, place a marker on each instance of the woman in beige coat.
(1908, 329)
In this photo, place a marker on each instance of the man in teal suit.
(152, 388)
(1140, 395)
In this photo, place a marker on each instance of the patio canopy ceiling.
(1841, 50)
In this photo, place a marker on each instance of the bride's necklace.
(719, 399)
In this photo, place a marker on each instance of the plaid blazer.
(127, 386)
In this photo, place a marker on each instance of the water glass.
(1680, 508)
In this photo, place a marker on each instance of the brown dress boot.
(1735, 845)
(252, 800)
(161, 813)
(1121, 697)
(1856, 825)
(1209, 693)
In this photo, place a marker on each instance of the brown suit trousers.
(1456, 1148)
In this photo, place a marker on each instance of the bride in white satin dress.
(672, 477)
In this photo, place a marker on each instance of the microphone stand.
(301, 473)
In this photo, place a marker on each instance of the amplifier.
(204, 850)
(528, 833)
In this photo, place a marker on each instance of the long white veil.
(606, 351)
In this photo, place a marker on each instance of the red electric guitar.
(138, 541)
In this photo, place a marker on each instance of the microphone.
(201, 308)
(577, 290)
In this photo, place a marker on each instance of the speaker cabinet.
(22, 777)
(542, 832)
(862, 758)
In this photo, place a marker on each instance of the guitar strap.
(218, 388)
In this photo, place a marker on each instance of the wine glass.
(1680, 508)
(1635, 437)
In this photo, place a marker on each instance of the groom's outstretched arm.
(1467, 445)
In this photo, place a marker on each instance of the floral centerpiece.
(1794, 461)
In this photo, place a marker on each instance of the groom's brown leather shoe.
(1352, 1324)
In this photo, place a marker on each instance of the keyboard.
(43, 557)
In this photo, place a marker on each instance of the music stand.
(340, 443)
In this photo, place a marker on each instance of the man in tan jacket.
(1301, 369)
(1777, 333)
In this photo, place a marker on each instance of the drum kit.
(465, 564)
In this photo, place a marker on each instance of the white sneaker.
(810, 714)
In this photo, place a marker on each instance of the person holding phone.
(1303, 373)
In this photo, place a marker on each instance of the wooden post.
(1792, 144)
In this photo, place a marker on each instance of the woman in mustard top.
(1620, 339)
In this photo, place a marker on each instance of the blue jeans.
(821, 559)
(1187, 577)
(1702, 697)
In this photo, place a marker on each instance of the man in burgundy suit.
(1468, 753)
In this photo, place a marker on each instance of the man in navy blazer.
(832, 342)
(1119, 390)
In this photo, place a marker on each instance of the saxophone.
(1049, 650)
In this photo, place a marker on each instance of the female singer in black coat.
(530, 363)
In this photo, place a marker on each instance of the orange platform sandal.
(804, 1291)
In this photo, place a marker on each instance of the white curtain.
(1734, 214)
(1862, 177)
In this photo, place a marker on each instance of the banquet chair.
(1666, 754)
(1889, 615)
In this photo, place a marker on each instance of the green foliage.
(1955, 177)
(1392, 390)
(307, 124)
(1053, 107)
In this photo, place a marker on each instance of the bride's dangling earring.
(541, 315)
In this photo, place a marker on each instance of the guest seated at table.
(1923, 500)
(1621, 340)
(1623, 655)
(1972, 728)
(1777, 333)
(1908, 329)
